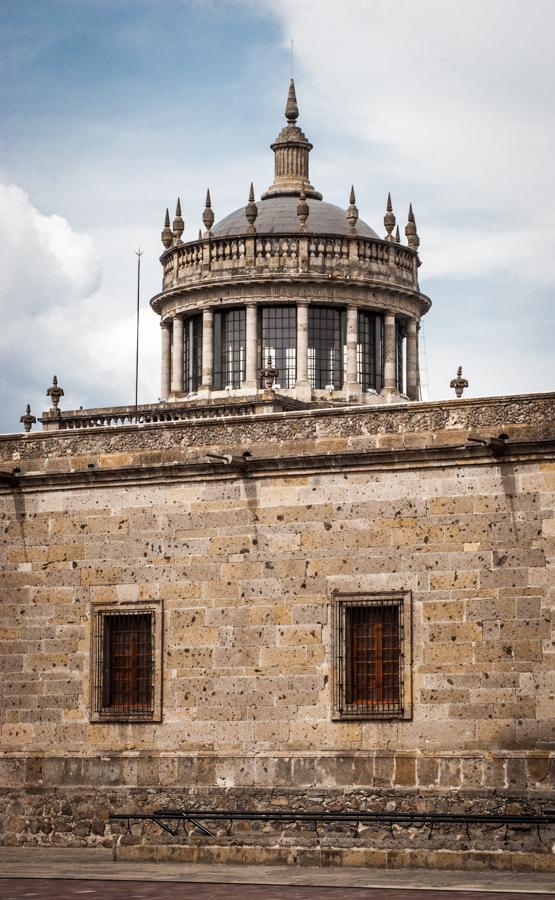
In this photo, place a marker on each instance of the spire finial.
(459, 383)
(28, 419)
(178, 223)
(167, 233)
(352, 212)
(303, 210)
(411, 232)
(208, 214)
(251, 211)
(397, 235)
(55, 392)
(291, 109)
(389, 219)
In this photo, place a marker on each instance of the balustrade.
(367, 259)
(117, 416)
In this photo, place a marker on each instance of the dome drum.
(332, 351)
(294, 286)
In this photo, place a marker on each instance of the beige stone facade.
(245, 562)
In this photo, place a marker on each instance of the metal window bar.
(229, 348)
(279, 340)
(123, 675)
(369, 350)
(369, 658)
(326, 338)
(192, 357)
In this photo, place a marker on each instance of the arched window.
(369, 350)
(278, 333)
(326, 338)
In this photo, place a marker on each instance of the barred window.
(192, 357)
(229, 348)
(369, 350)
(326, 340)
(371, 663)
(279, 340)
(125, 676)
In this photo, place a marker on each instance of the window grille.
(193, 354)
(123, 665)
(369, 657)
(279, 340)
(229, 348)
(369, 351)
(326, 339)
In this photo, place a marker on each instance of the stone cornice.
(528, 416)
(334, 290)
(427, 457)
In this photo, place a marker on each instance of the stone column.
(412, 360)
(251, 368)
(418, 382)
(177, 356)
(352, 388)
(165, 384)
(207, 350)
(389, 379)
(302, 387)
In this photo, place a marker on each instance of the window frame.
(327, 340)
(342, 662)
(99, 615)
(370, 349)
(283, 319)
(192, 353)
(229, 332)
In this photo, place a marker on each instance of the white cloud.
(59, 318)
(452, 101)
(43, 262)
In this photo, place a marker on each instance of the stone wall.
(245, 564)
(66, 801)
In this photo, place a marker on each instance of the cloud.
(449, 101)
(59, 317)
(43, 262)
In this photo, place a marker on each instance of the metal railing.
(170, 820)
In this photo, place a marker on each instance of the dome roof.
(277, 214)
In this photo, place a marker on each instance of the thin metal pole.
(138, 254)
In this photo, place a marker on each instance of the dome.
(277, 214)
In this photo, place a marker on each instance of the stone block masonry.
(245, 565)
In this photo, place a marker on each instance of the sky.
(113, 108)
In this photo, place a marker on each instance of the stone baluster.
(165, 386)
(177, 356)
(251, 373)
(207, 349)
(412, 360)
(389, 379)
